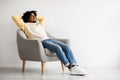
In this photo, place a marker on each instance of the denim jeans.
(62, 51)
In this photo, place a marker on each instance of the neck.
(32, 21)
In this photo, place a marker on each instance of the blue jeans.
(62, 51)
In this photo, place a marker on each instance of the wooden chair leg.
(23, 65)
(43, 67)
(62, 65)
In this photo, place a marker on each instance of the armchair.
(32, 50)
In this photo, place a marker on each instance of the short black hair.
(27, 14)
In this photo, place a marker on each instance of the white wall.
(93, 27)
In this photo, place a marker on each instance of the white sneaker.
(77, 71)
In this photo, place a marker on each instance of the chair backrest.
(20, 33)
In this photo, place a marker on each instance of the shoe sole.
(78, 74)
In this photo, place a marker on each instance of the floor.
(53, 73)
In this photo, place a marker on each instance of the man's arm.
(41, 19)
(19, 22)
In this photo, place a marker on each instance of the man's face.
(32, 18)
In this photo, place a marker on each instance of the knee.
(66, 46)
(58, 48)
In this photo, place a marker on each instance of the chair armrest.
(30, 49)
(66, 41)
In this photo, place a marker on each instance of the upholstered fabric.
(33, 49)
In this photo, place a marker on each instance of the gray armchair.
(32, 50)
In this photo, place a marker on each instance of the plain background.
(93, 27)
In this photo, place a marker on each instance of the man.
(32, 25)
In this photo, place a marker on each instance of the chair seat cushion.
(49, 53)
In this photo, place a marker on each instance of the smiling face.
(32, 18)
